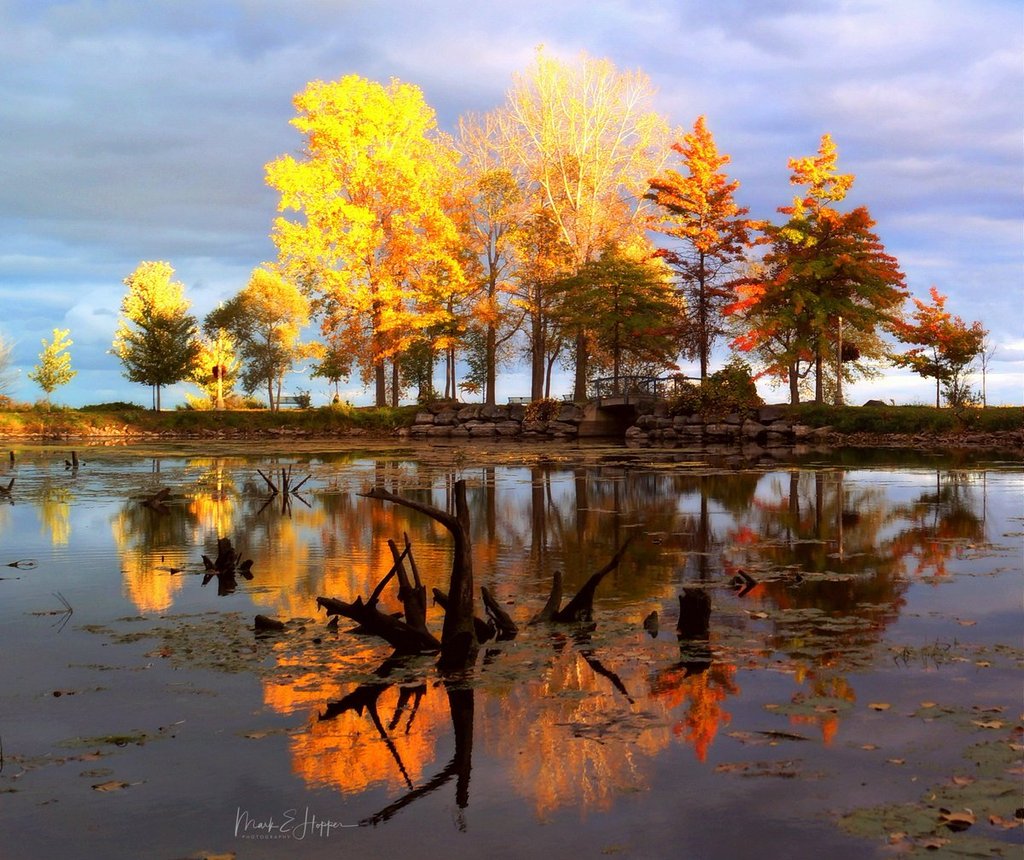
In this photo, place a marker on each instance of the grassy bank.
(911, 419)
(125, 420)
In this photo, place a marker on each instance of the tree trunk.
(538, 354)
(491, 360)
(395, 382)
(158, 398)
(819, 388)
(579, 391)
(380, 397)
(794, 385)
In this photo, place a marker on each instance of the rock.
(508, 428)
(446, 418)
(875, 403)
(439, 432)
(752, 429)
(517, 411)
(570, 413)
(482, 430)
(770, 414)
(469, 413)
(423, 418)
(494, 413)
(635, 433)
(562, 428)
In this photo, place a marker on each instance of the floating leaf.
(112, 785)
(879, 706)
(1005, 823)
(958, 820)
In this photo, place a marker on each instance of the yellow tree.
(585, 136)
(54, 368)
(215, 370)
(370, 189)
(493, 223)
(156, 335)
(265, 319)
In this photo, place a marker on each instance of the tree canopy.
(54, 367)
(265, 320)
(156, 337)
(822, 268)
(945, 346)
(374, 233)
(710, 232)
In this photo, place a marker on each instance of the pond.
(854, 689)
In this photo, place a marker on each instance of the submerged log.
(396, 632)
(504, 625)
(485, 629)
(459, 643)
(156, 502)
(581, 607)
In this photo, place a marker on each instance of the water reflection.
(799, 570)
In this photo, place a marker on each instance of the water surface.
(863, 653)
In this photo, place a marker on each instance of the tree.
(628, 305)
(495, 213)
(54, 367)
(216, 368)
(371, 189)
(333, 363)
(6, 375)
(265, 319)
(946, 348)
(156, 337)
(712, 231)
(585, 141)
(823, 269)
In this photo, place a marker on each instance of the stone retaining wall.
(478, 421)
(768, 427)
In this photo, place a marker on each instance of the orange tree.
(701, 214)
(946, 347)
(823, 269)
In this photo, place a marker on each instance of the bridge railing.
(654, 387)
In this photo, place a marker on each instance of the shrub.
(113, 406)
(542, 410)
(731, 389)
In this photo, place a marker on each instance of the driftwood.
(504, 625)
(409, 636)
(265, 624)
(227, 566)
(743, 582)
(6, 491)
(485, 629)
(581, 607)
(157, 502)
(397, 633)
(459, 643)
(286, 490)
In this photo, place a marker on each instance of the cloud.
(139, 131)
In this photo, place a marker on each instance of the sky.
(134, 131)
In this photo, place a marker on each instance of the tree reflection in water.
(574, 713)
